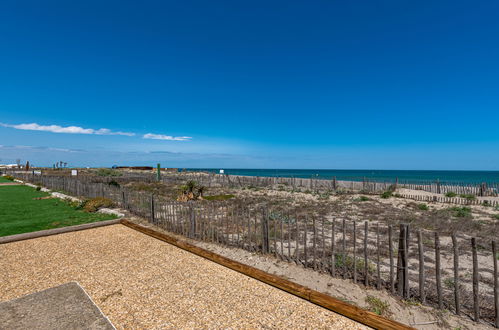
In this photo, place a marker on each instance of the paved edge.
(55, 231)
(99, 311)
(93, 302)
(338, 306)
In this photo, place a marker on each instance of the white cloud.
(166, 137)
(67, 129)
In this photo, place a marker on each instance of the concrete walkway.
(64, 307)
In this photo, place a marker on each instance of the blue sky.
(266, 84)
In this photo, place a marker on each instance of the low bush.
(9, 177)
(377, 305)
(449, 283)
(362, 199)
(461, 212)
(495, 216)
(469, 197)
(218, 197)
(94, 204)
(38, 188)
(347, 261)
(386, 194)
(423, 207)
(77, 205)
(450, 194)
(114, 183)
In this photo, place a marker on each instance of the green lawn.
(2, 179)
(21, 213)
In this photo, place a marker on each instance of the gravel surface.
(141, 282)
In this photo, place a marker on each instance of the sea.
(403, 176)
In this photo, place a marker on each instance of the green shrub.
(94, 204)
(461, 212)
(469, 197)
(75, 204)
(449, 283)
(113, 183)
(219, 197)
(377, 305)
(38, 188)
(423, 207)
(9, 177)
(450, 194)
(495, 216)
(347, 261)
(362, 199)
(386, 194)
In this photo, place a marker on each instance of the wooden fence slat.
(390, 253)
(378, 270)
(343, 252)
(455, 249)
(354, 252)
(281, 237)
(333, 243)
(305, 251)
(421, 268)
(366, 269)
(297, 247)
(438, 271)
(476, 307)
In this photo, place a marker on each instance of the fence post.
(421, 268)
(333, 239)
(476, 307)
(366, 269)
(265, 232)
(406, 268)
(456, 274)
(354, 251)
(438, 187)
(438, 271)
(152, 209)
(390, 252)
(123, 200)
(192, 231)
(401, 261)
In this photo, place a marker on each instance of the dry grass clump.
(94, 204)
(191, 191)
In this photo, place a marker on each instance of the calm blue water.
(374, 175)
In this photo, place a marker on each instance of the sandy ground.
(141, 282)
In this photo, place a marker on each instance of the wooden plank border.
(353, 312)
(55, 231)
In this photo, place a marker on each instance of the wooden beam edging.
(56, 231)
(340, 307)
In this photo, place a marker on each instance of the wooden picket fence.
(456, 273)
(451, 200)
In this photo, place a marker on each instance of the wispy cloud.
(67, 129)
(166, 137)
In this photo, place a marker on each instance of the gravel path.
(141, 282)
